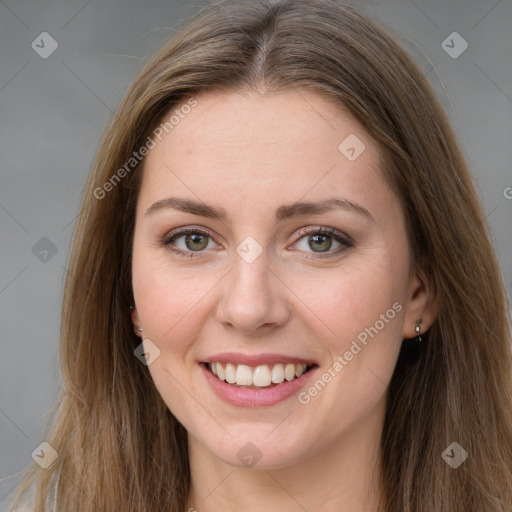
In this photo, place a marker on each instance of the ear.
(422, 304)
(135, 321)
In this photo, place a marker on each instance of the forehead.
(245, 121)
(292, 144)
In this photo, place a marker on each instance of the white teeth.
(220, 372)
(230, 373)
(289, 372)
(244, 375)
(278, 374)
(300, 369)
(260, 376)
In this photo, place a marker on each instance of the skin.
(249, 155)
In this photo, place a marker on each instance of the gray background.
(53, 112)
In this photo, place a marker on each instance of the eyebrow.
(282, 213)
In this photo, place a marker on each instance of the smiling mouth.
(257, 377)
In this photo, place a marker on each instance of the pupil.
(195, 238)
(319, 240)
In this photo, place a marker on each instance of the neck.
(342, 476)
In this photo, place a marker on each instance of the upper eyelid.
(185, 230)
(324, 230)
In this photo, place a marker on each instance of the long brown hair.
(119, 447)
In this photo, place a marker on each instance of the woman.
(282, 294)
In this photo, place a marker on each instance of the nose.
(254, 298)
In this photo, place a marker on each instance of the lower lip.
(244, 397)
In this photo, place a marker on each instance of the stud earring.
(139, 329)
(418, 337)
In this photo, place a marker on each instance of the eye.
(188, 242)
(191, 242)
(320, 241)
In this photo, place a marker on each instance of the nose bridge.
(253, 295)
(251, 271)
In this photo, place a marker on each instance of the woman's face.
(259, 289)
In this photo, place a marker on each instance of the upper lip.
(256, 359)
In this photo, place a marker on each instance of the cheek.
(170, 302)
(361, 314)
(351, 298)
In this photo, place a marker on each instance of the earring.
(139, 329)
(418, 337)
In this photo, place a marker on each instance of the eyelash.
(344, 240)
